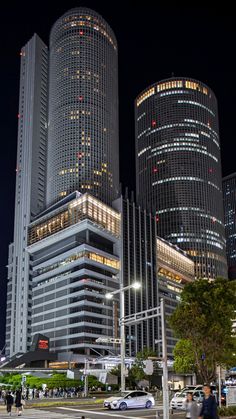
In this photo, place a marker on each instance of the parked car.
(130, 399)
(178, 401)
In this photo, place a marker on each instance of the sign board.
(231, 396)
(43, 344)
(23, 380)
(102, 377)
(70, 374)
(148, 367)
(40, 343)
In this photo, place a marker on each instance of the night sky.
(154, 41)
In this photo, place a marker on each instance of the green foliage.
(227, 411)
(145, 354)
(136, 372)
(184, 357)
(56, 380)
(203, 320)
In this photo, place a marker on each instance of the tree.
(203, 322)
(136, 372)
(184, 357)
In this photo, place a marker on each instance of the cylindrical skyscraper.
(178, 169)
(83, 144)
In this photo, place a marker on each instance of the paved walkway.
(33, 414)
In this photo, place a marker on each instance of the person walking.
(209, 406)
(191, 407)
(18, 403)
(9, 402)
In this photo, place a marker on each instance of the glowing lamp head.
(108, 295)
(136, 285)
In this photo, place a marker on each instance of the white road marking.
(99, 413)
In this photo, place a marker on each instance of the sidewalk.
(33, 414)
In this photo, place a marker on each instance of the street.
(96, 412)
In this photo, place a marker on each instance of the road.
(95, 412)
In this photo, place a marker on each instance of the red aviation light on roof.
(155, 169)
(18, 116)
(81, 32)
(157, 218)
(154, 123)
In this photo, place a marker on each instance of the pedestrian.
(191, 407)
(209, 406)
(18, 403)
(9, 402)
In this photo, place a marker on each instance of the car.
(179, 399)
(192, 387)
(130, 399)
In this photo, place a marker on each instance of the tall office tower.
(68, 128)
(178, 169)
(83, 145)
(229, 199)
(162, 270)
(30, 189)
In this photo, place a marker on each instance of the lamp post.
(109, 295)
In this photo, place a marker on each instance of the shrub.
(227, 411)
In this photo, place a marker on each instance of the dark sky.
(154, 41)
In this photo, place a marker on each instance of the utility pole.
(122, 337)
(85, 378)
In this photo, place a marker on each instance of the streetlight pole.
(122, 337)
(109, 295)
(165, 388)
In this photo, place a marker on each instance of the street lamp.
(135, 286)
(109, 296)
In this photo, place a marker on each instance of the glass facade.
(83, 144)
(161, 268)
(72, 267)
(229, 197)
(84, 207)
(178, 161)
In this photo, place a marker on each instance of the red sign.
(42, 344)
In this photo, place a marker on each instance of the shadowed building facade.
(229, 197)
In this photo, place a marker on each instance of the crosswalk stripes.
(36, 414)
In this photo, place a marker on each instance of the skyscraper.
(229, 197)
(67, 139)
(30, 188)
(162, 270)
(178, 161)
(83, 107)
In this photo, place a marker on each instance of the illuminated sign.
(43, 344)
